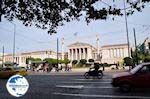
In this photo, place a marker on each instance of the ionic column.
(69, 55)
(76, 55)
(72, 54)
(84, 53)
(123, 52)
(79, 53)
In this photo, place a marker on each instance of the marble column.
(72, 54)
(69, 53)
(109, 53)
(84, 53)
(76, 54)
(123, 52)
(80, 54)
(118, 53)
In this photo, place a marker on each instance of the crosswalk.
(78, 88)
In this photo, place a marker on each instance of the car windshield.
(135, 69)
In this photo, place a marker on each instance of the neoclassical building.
(20, 58)
(147, 45)
(108, 54)
(114, 53)
(80, 50)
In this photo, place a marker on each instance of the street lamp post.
(3, 58)
(14, 40)
(57, 53)
(98, 53)
(126, 21)
(62, 52)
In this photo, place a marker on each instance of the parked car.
(138, 77)
(10, 71)
(21, 70)
(7, 72)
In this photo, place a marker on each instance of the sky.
(110, 32)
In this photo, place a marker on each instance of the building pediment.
(78, 44)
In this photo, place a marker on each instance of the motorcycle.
(93, 73)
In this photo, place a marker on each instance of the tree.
(83, 61)
(91, 60)
(66, 61)
(128, 61)
(51, 61)
(49, 14)
(37, 59)
(29, 59)
(147, 58)
(74, 62)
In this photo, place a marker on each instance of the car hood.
(121, 74)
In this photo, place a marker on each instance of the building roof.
(32, 52)
(79, 44)
(114, 45)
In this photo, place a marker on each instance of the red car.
(138, 77)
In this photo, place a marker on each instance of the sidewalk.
(74, 71)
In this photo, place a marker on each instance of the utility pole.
(126, 21)
(0, 10)
(3, 58)
(57, 52)
(97, 41)
(135, 46)
(62, 49)
(14, 41)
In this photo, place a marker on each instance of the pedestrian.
(69, 67)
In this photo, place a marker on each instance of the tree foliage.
(147, 58)
(32, 59)
(83, 61)
(49, 14)
(91, 60)
(51, 60)
(128, 61)
(66, 61)
(74, 62)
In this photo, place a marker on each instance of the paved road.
(72, 87)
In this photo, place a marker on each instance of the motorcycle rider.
(95, 67)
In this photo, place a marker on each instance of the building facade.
(147, 45)
(108, 54)
(21, 58)
(113, 54)
(78, 51)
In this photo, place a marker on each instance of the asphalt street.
(72, 87)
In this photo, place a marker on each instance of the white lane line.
(91, 79)
(82, 86)
(90, 87)
(103, 96)
(70, 86)
(85, 82)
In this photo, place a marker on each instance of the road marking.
(92, 79)
(103, 96)
(70, 86)
(96, 87)
(82, 86)
(85, 82)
